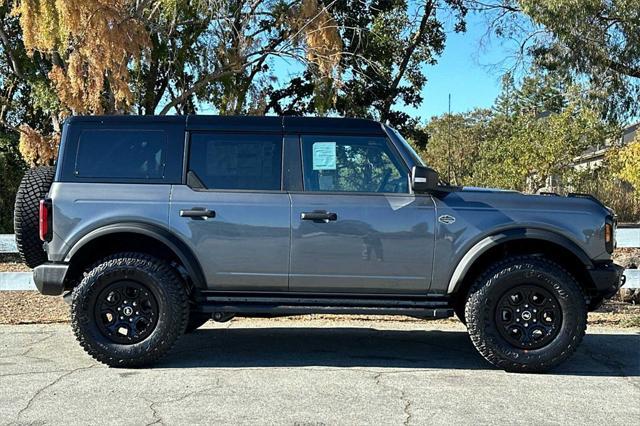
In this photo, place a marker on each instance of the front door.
(233, 213)
(356, 228)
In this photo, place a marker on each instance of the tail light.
(609, 235)
(45, 220)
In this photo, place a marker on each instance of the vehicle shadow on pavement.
(598, 355)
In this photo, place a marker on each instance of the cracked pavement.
(317, 372)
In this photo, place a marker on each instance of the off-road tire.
(196, 320)
(34, 187)
(496, 281)
(164, 283)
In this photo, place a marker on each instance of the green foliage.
(12, 168)
(527, 149)
(587, 40)
(626, 163)
(455, 142)
(534, 132)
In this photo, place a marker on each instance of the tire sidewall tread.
(33, 187)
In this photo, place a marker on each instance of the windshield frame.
(397, 138)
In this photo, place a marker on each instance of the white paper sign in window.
(324, 156)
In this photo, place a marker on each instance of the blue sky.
(469, 73)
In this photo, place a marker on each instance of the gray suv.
(153, 225)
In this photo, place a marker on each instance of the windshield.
(414, 155)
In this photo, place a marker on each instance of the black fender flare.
(179, 248)
(479, 248)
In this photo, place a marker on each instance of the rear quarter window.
(121, 154)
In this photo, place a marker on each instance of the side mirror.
(423, 179)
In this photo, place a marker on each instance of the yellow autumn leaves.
(91, 43)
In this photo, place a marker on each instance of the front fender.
(481, 247)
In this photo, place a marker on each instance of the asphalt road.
(314, 373)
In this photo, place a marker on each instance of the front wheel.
(129, 310)
(526, 314)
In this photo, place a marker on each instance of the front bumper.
(50, 278)
(608, 278)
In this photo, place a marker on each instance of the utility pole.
(449, 144)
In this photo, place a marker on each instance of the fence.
(626, 237)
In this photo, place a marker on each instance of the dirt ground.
(29, 307)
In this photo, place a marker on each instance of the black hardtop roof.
(288, 124)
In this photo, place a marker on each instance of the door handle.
(319, 216)
(197, 213)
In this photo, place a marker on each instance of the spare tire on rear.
(34, 187)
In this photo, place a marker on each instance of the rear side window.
(237, 161)
(121, 154)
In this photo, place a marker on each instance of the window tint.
(126, 154)
(236, 161)
(351, 164)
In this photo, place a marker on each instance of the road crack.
(407, 403)
(153, 405)
(46, 387)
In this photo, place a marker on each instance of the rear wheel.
(526, 314)
(34, 187)
(129, 310)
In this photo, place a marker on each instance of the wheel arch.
(520, 241)
(134, 237)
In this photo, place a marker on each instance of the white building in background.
(593, 157)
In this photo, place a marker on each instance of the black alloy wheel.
(528, 317)
(126, 312)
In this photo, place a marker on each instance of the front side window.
(351, 164)
(121, 154)
(237, 161)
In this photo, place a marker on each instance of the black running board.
(302, 306)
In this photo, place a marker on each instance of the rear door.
(356, 228)
(233, 212)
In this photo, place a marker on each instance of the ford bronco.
(154, 225)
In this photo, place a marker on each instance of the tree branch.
(15, 65)
(194, 88)
(624, 69)
(408, 53)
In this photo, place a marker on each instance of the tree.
(386, 47)
(535, 131)
(126, 56)
(11, 170)
(455, 142)
(588, 39)
(528, 149)
(626, 162)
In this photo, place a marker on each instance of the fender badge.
(446, 219)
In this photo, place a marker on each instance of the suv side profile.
(153, 225)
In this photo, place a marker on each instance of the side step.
(432, 309)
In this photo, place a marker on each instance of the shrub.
(12, 167)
